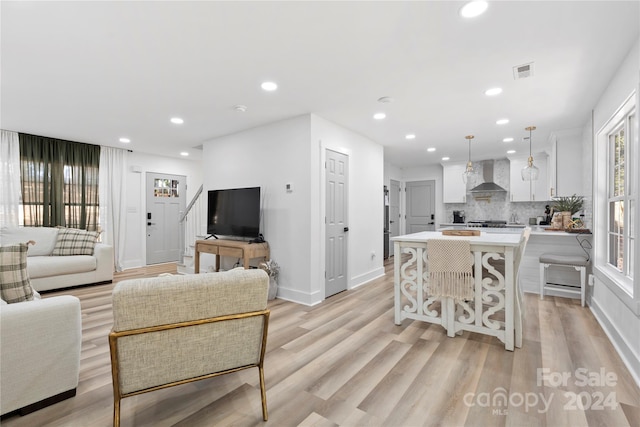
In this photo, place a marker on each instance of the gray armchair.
(173, 330)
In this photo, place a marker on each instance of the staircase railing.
(191, 223)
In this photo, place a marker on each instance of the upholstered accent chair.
(40, 343)
(173, 330)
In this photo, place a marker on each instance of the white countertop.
(501, 239)
(513, 229)
(466, 224)
(539, 231)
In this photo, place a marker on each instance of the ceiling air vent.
(523, 71)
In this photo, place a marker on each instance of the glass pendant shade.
(530, 172)
(469, 171)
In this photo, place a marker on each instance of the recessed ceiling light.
(240, 108)
(379, 116)
(385, 99)
(493, 91)
(509, 139)
(177, 120)
(445, 159)
(184, 153)
(502, 121)
(269, 86)
(511, 151)
(410, 136)
(125, 140)
(473, 9)
(431, 149)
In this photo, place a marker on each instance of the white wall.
(135, 241)
(269, 157)
(616, 318)
(366, 202)
(292, 151)
(392, 172)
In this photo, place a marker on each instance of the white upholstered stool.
(579, 262)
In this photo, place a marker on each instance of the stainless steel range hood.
(488, 186)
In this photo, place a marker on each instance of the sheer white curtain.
(10, 193)
(113, 212)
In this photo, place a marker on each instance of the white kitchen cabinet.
(540, 188)
(519, 190)
(528, 191)
(454, 189)
(565, 163)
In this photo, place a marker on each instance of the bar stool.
(579, 262)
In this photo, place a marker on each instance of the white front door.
(420, 206)
(337, 173)
(394, 212)
(165, 202)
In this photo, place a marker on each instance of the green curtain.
(59, 182)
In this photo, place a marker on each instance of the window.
(59, 182)
(620, 251)
(615, 202)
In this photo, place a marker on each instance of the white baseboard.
(298, 297)
(316, 297)
(134, 263)
(631, 360)
(366, 277)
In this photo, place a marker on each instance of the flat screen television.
(234, 212)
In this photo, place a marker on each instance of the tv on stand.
(234, 214)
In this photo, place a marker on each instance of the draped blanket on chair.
(450, 269)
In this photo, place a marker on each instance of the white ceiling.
(97, 71)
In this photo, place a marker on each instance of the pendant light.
(468, 172)
(530, 172)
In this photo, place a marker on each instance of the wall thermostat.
(289, 187)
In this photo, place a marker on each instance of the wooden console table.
(230, 248)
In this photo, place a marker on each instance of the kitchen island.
(496, 307)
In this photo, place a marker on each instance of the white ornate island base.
(496, 307)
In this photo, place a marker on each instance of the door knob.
(151, 223)
(346, 229)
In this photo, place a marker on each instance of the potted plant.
(567, 206)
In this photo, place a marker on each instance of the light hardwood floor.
(345, 363)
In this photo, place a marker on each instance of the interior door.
(165, 202)
(420, 206)
(337, 173)
(394, 212)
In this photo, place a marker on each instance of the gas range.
(487, 223)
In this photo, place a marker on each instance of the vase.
(273, 288)
(566, 219)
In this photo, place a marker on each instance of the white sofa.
(40, 344)
(49, 272)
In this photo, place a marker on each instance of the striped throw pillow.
(14, 279)
(72, 241)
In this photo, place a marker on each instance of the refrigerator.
(386, 223)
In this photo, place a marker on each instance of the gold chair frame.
(113, 347)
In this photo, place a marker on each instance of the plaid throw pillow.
(72, 241)
(14, 280)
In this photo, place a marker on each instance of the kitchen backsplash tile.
(499, 207)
